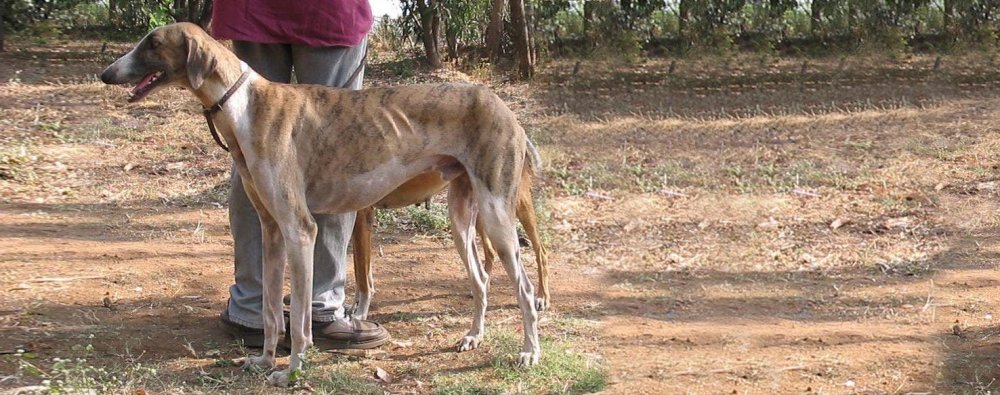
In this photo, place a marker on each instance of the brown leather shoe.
(250, 337)
(348, 333)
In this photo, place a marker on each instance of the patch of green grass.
(591, 177)
(562, 371)
(785, 177)
(681, 174)
(467, 383)
(339, 376)
(430, 221)
(78, 375)
(646, 179)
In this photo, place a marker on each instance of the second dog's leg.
(462, 210)
(488, 252)
(362, 237)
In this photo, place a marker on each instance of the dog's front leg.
(273, 248)
(300, 240)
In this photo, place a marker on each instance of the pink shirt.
(316, 23)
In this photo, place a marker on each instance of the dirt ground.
(744, 225)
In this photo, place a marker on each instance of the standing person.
(322, 42)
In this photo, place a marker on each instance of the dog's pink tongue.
(142, 84)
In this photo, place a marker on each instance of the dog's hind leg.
(462, 211)
(498, 223)
(362, 238)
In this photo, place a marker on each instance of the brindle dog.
(304, 149)
(418, 190)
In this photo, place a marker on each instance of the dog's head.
(172, 54)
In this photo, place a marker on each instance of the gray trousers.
(331, 66)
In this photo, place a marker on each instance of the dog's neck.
(232, 116)
(221, 81)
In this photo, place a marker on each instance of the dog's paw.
(359, 313)
(259, 362)
(528, 358)
(541, 304)
(469, 342)
(280, 378)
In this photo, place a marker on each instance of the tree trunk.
(451, 41)
(949, 15)
(195, 11)
(522, 50)
(683, 14)
(494, 30)
(588, 16)
(626, 6)
(113, 12)
(529, 16)
(815, 17)
(2, 7)
(850, 17)
(206, 14)
(429, 31)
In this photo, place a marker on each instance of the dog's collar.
(210, 111)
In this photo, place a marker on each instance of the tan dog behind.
(304, 149)
(421, 188)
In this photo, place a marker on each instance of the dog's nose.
(107, 76)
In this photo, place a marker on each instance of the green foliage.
(431, 220)
(77, 375)
(628, 28)
(161, 14)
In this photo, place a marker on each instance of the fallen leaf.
(771, 223)
(598, 196)
(837, 223)
(402, 343)
(670, 193)
(901, 222)
(631, 225)
(382, 376)
(190, 350)
(988, 186)
(805, 193)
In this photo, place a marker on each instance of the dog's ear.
(199, 62)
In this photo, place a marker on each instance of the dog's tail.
(535, 164)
